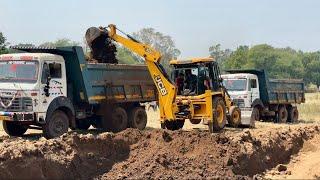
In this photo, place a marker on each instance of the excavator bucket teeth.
(102, 48)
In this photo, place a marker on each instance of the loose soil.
(161, 154)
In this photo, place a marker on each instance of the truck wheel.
(56, 125)
(13, 128)
(117, 121)
(219, 115)
(234, 116)
(255, 116)
(174, 125)
(293, 114)
(138, 118)
(282, 114)
(83, 124)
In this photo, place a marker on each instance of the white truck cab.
(261, 98)
(24, 88)
(243, 88)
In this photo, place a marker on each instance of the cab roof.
(191, 61)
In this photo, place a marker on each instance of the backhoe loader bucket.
(102, 48)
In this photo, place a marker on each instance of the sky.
(194, 25)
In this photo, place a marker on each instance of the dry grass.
(310, 110)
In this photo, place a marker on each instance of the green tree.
(163, 43)
(219, 54)
(3, 44)
(124, 56)
(237, 59)
(311, 64)
(59, 43)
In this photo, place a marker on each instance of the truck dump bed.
(277, 91)
(97, 82)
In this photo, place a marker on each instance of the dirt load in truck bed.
(154, 153)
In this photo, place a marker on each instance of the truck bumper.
(16, 116)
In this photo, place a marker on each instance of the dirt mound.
(71, 156)
(154, 153)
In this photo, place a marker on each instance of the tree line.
(278, 62)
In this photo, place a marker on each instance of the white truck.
(54, 89)
(261, 98)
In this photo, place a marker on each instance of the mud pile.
(152, 154)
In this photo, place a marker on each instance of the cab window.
(253, 83)
(55, 70)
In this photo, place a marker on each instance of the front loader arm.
(166, 88)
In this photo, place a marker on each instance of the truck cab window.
(55, 70)
(45, 73)
(253, 83)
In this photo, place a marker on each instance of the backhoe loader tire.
(115, 121)
(13, 128)
(293, 114)
(138, 118)
(234, 119)
(219, 115)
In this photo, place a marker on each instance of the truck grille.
(19, 104)
(239, 102)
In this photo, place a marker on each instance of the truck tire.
(116, 121)
(173, 125)
(234, 118)
(83, 124)
(13, 128)
(282, 114)
(219, 115)
(138, 118)
(56, 125)
(293, 114)
(255, 116)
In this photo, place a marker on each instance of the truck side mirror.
(46, 79)
(47, 87)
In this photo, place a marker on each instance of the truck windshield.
(18, 71)
(235, 84)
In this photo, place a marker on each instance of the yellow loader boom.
(200, 97)
(166, 88)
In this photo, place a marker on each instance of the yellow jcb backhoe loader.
(197, 93)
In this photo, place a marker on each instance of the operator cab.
(194, 76)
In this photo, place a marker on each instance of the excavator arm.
(166, 88)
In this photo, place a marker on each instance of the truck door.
(254, 86)
(52, 82)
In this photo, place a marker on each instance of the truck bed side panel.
(120, 83)
(286, 91)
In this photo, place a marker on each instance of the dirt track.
(156, 153)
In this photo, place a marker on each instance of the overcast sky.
(193, 24)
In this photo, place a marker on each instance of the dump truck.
(261, 98)
(56, 88)
(209, 104)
